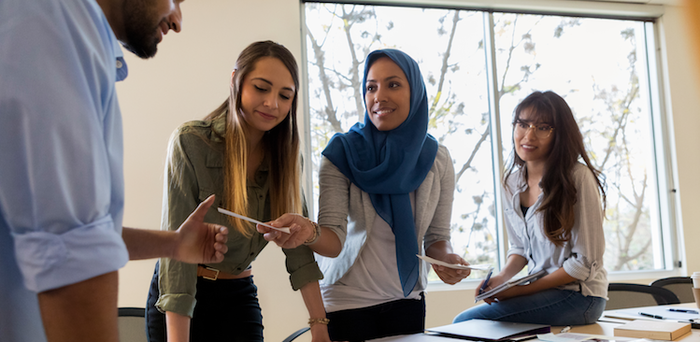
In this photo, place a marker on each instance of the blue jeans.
(552, 307)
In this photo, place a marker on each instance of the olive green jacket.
(194, 170)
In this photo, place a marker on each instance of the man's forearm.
(84, 311)
(439, 249)
(148, 243)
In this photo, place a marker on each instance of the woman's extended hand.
(451, 275)
(300, 230)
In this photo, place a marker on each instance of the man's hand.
(198, 242)
(451, 275)
(300, 230)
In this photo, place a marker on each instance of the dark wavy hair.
(567, 147)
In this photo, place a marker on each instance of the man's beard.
(141, 29)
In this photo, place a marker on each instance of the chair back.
(623, 295)
(132, 325)
(682, 287)
(296, 334)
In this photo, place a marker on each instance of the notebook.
(657, 330)
(509, 284)
(490, 331)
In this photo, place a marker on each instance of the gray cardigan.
(348, 211)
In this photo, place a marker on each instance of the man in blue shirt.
(61, 166)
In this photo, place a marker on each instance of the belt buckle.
(216, 275)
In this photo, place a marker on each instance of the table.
(607, 323)
(605, 326)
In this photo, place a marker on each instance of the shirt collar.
(218, 126)
(120, 63)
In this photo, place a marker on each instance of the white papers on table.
(662, 311)
(575, 337)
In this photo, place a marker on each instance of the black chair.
(296, 334)
(682, 287)
(132, 325)
(623, 295)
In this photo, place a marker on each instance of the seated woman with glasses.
(554, 218)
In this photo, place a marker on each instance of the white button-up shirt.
(582, 256)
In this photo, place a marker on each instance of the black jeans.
(226, 310)
(404, 316)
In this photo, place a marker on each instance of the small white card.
(457, 266)
(230, 213)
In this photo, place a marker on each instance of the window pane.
(598, 66)
(448, 46)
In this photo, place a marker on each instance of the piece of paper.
(230, 213)
(456, 266)
(576, 337)
(659, 310)
(557, 338)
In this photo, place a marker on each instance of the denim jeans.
(553, 307)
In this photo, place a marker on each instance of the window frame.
(665, 175)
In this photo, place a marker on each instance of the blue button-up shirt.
(61, 154)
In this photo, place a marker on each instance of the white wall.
(190, 75)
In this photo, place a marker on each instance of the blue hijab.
(391, 164)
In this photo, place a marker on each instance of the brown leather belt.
(210, 273)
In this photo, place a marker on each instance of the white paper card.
(230, 213)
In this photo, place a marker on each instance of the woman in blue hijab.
(386, 189)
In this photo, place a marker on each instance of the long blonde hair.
(281, 143)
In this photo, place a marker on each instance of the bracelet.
(313, 321)
(315, 236)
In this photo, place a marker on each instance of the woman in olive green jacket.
(247, 153)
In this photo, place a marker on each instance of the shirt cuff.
(516, 251)
(182, 304)
(304, 275)
(48, 261)
(576, 268)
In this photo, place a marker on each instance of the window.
(477, 67)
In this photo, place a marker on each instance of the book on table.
(490, 331)
(657, 330)
(509, 284)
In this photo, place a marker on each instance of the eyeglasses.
(542, 131)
